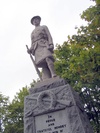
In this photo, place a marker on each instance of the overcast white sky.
(61, 17)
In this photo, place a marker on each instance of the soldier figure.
(42, 48)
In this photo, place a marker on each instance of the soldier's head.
(36, 20)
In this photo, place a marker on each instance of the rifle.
(36, 68)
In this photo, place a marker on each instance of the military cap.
(34, 18)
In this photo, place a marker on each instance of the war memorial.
(52, 105)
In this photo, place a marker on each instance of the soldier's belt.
(40, 39)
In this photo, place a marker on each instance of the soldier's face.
(36, 22)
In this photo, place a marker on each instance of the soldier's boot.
(50, 64)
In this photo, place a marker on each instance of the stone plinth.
(54, 107)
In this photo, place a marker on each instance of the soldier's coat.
(40, 40)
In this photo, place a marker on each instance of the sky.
(60, 16)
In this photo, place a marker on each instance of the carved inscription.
(55, 122)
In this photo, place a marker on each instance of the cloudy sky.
(61, 17)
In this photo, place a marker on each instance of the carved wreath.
(51, 100)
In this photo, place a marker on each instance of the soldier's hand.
(29, 51)
(50, 47)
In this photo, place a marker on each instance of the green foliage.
(12, 113)
(13, 122)
(78, 61)
(4, 102)
(92, 106)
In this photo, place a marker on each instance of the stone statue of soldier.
(42, 48)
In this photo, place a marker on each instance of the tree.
(13, 122)
(4, 102)
(12, 113)
(78, 61)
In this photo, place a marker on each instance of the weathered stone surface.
(42, 49)
(52, 123)
(54, 107)
(48, 84)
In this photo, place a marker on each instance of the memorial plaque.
(55, 122)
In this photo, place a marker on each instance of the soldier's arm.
(31, 50)
(50, 40)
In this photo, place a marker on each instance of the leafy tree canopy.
(4, 102)
(14, 113)
(78, 61)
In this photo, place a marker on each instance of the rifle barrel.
(36, 68)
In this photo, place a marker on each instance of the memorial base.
(54, 107)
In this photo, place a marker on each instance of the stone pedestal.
(54, 107)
